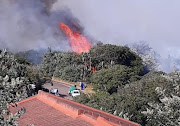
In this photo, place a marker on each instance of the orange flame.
(78, 42)
(94, 69)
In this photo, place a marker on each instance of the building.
(45, 109)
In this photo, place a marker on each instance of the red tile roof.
(46, 109)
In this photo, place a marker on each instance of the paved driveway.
(62, 88)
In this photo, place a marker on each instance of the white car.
(75, 93)
(54, 91)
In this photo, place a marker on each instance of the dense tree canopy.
(110, 79)
(54, 62)
(18, 80)
(100, 56)
(13, 86)
(112, 54)
(120, 86)
(152, 100)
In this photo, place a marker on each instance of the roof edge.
(24, 100)
(77, 110)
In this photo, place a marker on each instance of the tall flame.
(78, 42)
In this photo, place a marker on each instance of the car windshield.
(76, 91)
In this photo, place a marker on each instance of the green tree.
(110, 79)
(71, 73)
(166, 111)
(111, 54)
(54, 62)
(13, 87)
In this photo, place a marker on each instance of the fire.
(94, 69)
(78, 42)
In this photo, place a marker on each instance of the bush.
(71, 73)
(110, 79)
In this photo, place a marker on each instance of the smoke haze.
(30, 24)
(26, 24)
(126, 21)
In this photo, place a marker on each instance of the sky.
(157, 22)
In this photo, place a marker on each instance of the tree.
(71, 73)
(110, 79)
(13, 87)
(111, 54)
(165, 112)
(31, 56)
(54, 62)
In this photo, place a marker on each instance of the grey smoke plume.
(30, 24)
(47, 4)
(126, 21)
(26, 24)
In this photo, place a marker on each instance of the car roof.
(76, 90)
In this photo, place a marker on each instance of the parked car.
(75, 93)
(54, 91)
(71, 89)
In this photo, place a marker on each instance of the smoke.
(47, 4)
(27, 24)
(126, 21)
(30, 24)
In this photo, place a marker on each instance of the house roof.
(45, 109)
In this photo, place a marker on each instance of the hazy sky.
(125, 21)
(157, 22)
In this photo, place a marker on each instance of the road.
(62, 88)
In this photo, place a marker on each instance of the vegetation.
(17, 82)
(152, 100)
(32, 56)
(110, 79)
(62, 65)
(117, 76)
(65, 64)
(13, 86)
(121, 86)
(112, 54)
(165, 110)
